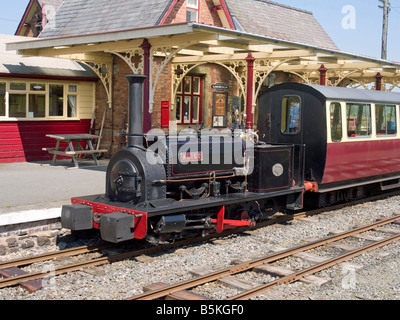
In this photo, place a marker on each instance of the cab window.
(290, 123)
(358, 120)
(385, 116)
(336, 122)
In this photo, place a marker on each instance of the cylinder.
(135, 110)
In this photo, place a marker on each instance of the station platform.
(35, 191)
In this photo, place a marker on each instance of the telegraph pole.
(386, 10)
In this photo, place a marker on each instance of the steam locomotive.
(315, 144)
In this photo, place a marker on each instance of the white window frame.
(193, 9)
(28, 91)
(196, 6)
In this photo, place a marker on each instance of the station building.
(40, 95)
(206, 61)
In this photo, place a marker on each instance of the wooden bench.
(70, 151)
(77, 152)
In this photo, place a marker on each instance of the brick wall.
(178, 13)
(117, 118)
(163, 93)
(207, 16)
(214, 73)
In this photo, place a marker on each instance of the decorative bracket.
(133, 58)
(103, 69)
(236, 67)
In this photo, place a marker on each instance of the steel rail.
(91, 263)
(159, 293)
(268, 222)
(314, 269)
(53, 255)
(72, 267)
(103, 260)
(57, 271)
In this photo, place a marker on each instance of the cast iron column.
(378, 81)
(322, 75)
(249, 101)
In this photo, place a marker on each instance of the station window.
(188, 100)
(38, 100)
(358, 120)
(56, 107)
(72, 101)
(37, 106)
(17, 100)
(17, 105)
(385, 116)
(192, 10)
(290, 123)
(336, 122)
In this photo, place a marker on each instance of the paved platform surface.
(29, 190)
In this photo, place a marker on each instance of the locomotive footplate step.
(31, 285)
(175, 206)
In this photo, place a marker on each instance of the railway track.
(13, 275)
(179, 290)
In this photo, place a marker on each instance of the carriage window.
(385, 119)
(290, 115)
(358, 120)
(336, 122)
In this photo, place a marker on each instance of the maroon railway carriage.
(351, 136)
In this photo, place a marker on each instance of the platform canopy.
(187, 45)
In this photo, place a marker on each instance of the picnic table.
(74, 147)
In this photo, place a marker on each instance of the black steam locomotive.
(169, 186)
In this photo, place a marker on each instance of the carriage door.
(290, 129)
(280, 118)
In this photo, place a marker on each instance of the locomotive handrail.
(199, 176)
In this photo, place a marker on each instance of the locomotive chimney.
(135, 109)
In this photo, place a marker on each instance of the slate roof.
(261, 17)
(276, 20)
(12, 63)
(80, 17)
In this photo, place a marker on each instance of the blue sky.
(359, 33)
(365, 37)
(11, 15)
